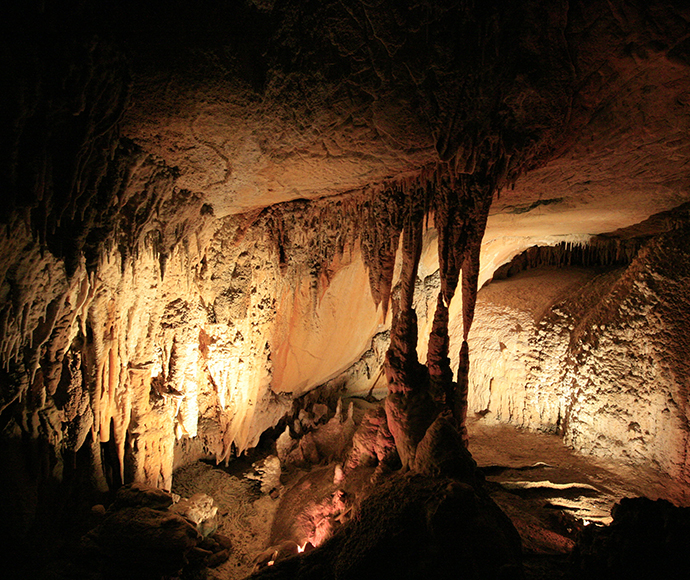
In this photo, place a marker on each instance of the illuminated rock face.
(201, 223)
(594, 356)
(208, 342)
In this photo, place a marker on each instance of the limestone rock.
(414, 527)
(646, 539)
(442, 452)
(199, 509)
(333, 438)
(408, 418)
(142, 495)
(372, 442)
(202, 210)
(285, 444)
(141, 540)
(268, 472)
(592, 354)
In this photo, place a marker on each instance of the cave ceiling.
(314, 99)
(253, 103)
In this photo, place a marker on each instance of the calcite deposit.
(213, 211)
(590, 353)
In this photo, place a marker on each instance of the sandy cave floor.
(547, 490)
(550, 492)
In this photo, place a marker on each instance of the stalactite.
(598, 252)
(315, 240)
(460, 214)
(409, 407)
(380, 233)
(460, 206)
(450, 221)
(480, 194)
(402, 366)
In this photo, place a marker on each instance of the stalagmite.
(418, 393)
(408, 405)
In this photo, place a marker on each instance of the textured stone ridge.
(599, 358)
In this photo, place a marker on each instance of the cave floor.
(547, 490)
(550, 492)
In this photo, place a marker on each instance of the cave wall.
(598, 356)
(222, 329)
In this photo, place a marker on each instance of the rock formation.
(591, 353)
(211, 209)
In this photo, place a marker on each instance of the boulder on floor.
(141, 542)
(646, 539)
(411, 527)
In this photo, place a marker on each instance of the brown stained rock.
(98, 511)
(327, 442)
(135, 495)
(442, 452)
(223, 541)
(363, 451)
(140, 539)
(209, 543)
(384, 446)
(309, 450)
(217, 559)
(333, 439)
(275, 553)
(372, 442)
(408, 417)
(320, 412)
(416, 393)
(415, 527)
(199, 556)
(401, 365)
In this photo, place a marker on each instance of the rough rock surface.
(645, 539)
(413, 526)
(203, 205)
(140, 495)
(594, 356)
(141, 542)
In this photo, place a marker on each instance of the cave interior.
(345, 289)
